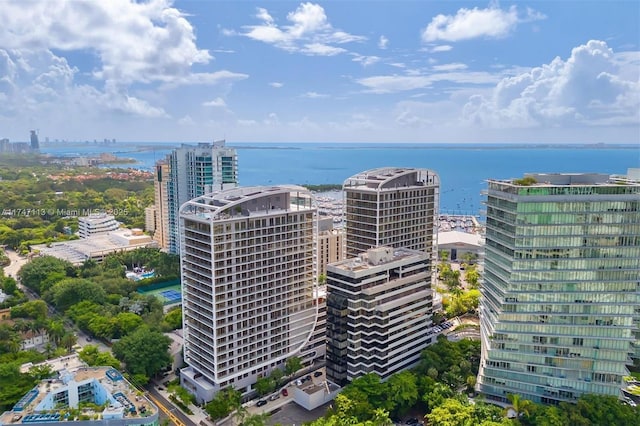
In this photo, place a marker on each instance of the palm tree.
(68, 340)
(520, 405)
(56, 330)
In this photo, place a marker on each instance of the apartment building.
(393, 207)
(379, 308)
(331, 244)
(97, 224)
(249, 287)
(561, 289)
(188, 172)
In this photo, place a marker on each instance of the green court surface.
(168, 295)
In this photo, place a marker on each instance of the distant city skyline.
(326, 71)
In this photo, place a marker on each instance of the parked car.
(274, 397)
(261, 403)
(307, 378)
(317, 374)
(285, 392)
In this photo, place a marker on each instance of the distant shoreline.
(149, 146)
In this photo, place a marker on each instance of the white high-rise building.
(248, 282)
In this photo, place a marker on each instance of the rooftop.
(77, 251)
(250, 201)
(374, 258)
(392, 178)
(104, 393)
(566, 179)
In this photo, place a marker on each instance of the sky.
(327, 71)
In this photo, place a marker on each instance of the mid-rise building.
(161, 204)
(96, 224)
(393, 207)
(150, 216)
(561, 289)
(331, 246)
(87, 395)
(379, 309)
(188, 172)
(248, 283)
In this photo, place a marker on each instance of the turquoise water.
(463, 169)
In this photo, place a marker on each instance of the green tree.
(34, 309)
(402, 389)
(472, 276)
(292, 365)
(520, 405)
(264, 385)
(225, 401)
(74, 290)
(173, 318)
(452, 412)
(35, 273)
(93, 357)
(144, 351)
(68, 340)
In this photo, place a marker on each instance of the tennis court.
(167, 295)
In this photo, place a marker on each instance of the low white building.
(95, 224)
(96, 247)
(457, 243)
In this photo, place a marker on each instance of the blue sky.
(330, 71)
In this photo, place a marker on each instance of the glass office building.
(561, 286)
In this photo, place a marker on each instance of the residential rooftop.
(391, 178)
(81, 394)
(374, 258)
(249, 201)
(96, 246)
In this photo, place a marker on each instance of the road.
(177, 417)
(16, 263)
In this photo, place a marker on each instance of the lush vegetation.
(41, 203)
(324, 187)
(458, 300)
(435, 392)
(525, 181)
(101, 301)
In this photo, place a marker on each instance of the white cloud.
(314, 95)
(272, 119)
(149, 46)
(492, 22)
(592, 87)
(216, 103)
(186, 121)
(309, 32)
(441, 48)
(383, 42)
(365, 60)
(395, 83)
(319, 49)
(450, 67)
(135, 42)
(276, 84)
(416, 79)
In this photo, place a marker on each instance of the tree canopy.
(144, 351)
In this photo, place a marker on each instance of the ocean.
(463, 169)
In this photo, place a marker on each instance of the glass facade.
(560, 288)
